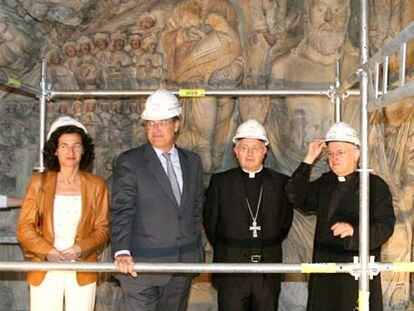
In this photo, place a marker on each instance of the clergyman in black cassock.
(246, 217)
(334, 198)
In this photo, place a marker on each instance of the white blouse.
(67, 211)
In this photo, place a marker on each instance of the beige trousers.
(59, 286)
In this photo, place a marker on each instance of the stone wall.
(135, 44)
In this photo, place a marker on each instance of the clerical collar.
(347, 177)
(253, 174)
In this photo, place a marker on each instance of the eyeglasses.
(67, 148)
(254, 149)
(162, 123)
(339, 153)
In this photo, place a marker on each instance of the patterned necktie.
(173, 178)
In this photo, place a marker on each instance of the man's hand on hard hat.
(125, 264)
(342, 229)
(315, 149)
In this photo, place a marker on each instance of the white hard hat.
(65, 121)
(251, 129)
(342, 131)
(161, 105)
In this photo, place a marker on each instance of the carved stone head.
(85, 45)
(101, 40)
(70, 49)
(327, 24)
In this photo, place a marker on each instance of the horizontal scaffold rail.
(192, 93)
(393, 96)
(392, 46)
(185, 267)
(382, 98)
(351, 268)
(18, 85)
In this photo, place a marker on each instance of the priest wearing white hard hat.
(334, 199)
(246, 218)
(156, 210)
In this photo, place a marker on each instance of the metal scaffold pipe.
(337, 98)
(394, 45)
(18, 85)
(190, 93)
(184, 267)
(364, 274)
(42, 115)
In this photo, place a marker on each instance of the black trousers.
(248, 292)
(172, 296)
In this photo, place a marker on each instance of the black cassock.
(333, 201)
(227, 222)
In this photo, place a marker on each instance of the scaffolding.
(367, 75)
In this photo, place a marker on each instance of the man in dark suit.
(156, 210)
(246, 218)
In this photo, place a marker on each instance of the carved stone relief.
(258, 44)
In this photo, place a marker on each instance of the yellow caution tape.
(13, 82)
(404, 266)
(318, 267)
(192, 92)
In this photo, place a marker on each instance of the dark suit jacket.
(145, 218)
(226, 218)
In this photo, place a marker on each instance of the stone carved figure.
(137, 124)
(91, 120)
(60, 76)
(63, 110)
(15, 47)
(103, 54)
(202, 47)
(263, 31)
(119, 62)
(71, 62)
(295, 121)
(266, 38)
(135, 42)
(105, 117)
(149, 66)
(387, 21)
(77, 109)
(201, 36)
(392, 157)
(146, 24)
(312, 64)
(89, 73)
(119, 58)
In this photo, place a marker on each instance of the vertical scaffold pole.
(338, 99)
(42, 115)
(363, 300)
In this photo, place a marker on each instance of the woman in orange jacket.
(64, 217)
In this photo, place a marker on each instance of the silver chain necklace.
(254, 227)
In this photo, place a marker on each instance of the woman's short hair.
(51, 145)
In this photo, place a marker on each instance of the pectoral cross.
(254, 227)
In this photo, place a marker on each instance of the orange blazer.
(92, 232)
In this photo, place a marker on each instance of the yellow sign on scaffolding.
(318, 267)
(192, 92)
(13, 82)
